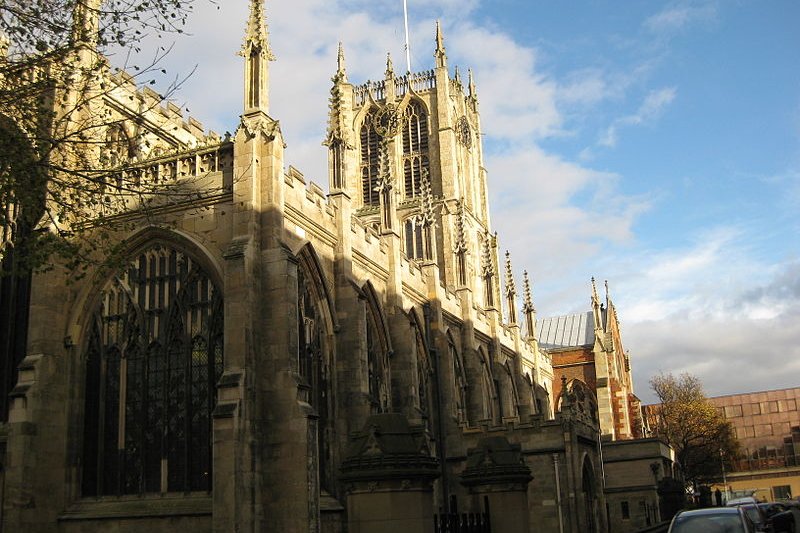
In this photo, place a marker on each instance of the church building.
(270, 357)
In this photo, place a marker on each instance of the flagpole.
(408, 47)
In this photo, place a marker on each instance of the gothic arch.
(414, 238)
(541, 399)
(488, 389)
(415, 138)
(309, 260)
(369, 142)
(460, 382)
(152, 344)
(378, 352)
(424, 366)
(133, 245)
(589, 492)
(509, 390)
(316, 364)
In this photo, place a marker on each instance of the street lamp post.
(724, 479)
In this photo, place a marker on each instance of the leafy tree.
(61, 186)
(687, 420)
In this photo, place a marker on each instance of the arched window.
(415, 147)
(415, 238)
(377, 366)
(510, 398)
(460, 384)
(488, 389)
(153, 360)
(424, 376)
(315, 369)
(370, 154)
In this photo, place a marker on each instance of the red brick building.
(588, 347)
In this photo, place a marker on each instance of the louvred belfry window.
(415, 148)
(153, 360)
(370, 153)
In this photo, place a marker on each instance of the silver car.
(712, 520)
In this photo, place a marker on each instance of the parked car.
(739, 501)
(780, 518)
(757, 515)
(712, 520)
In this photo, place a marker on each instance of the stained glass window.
(153, 359)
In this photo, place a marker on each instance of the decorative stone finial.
(427, 209)
(389, 66)
(511, 289)
(595, 298)
(256, 37)
(527, 306)
(457, 75)
(473, 92)
(440, 55)
(460, 240)
(487, 265)
(341, 73)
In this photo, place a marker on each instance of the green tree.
(701, 437)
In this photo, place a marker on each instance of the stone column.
(388, 475)
(495, 470)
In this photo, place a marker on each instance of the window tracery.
(370, 160)
(460, 384)
(153, 360)
(315, 370)
(378, 368)
(415, 239)
(415, 148)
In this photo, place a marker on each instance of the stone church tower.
(269, 357)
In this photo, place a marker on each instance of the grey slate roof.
(566, 331)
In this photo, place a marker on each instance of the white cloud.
(651, 109)
(678, 15)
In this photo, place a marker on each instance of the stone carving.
(464, 132)
(260, 124)
(387, 121)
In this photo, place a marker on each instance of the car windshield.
(727, 523)
(752, 512)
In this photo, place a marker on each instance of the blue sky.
(654, 144)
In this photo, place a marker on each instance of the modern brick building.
(767, 425)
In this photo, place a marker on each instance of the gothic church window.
(414, 236)
(315, 370)
(153, 360)
(460, 384)
(415, 148)
(377, 367)
(370, 155)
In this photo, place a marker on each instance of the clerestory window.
(153, 360)
(414, 236)
(415, 148)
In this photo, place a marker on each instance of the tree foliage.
(63, 177)
(701, 437)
